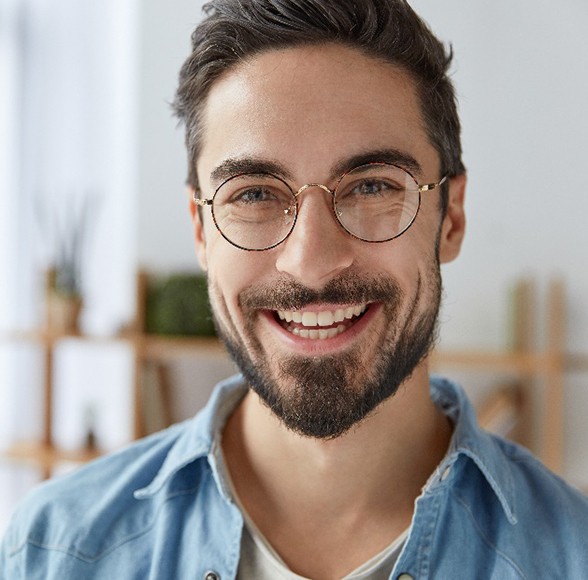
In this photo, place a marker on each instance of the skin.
(326, 505)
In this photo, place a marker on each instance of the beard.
(325, 396)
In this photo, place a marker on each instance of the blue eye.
(373, 187)
(253, 195)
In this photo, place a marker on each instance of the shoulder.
(507, 503)
(133, 512)
(512, 514)
(515, 475)
(119, 495)
(550, 531)
(542, 493)
(72, 513)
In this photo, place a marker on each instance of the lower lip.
(327, 345)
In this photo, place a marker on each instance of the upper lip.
(322, 317)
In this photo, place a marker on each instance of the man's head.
(388, 30)
(325, 326)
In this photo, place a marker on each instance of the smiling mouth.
(320, 325)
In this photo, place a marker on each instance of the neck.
(371, 474)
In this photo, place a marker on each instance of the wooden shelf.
(166, 348)
(47, 456)
(525, 363)
(150, 346)
(40, 336)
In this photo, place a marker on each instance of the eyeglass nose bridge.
(309, 185)
(319, 185)
(325, 189)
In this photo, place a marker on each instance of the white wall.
(165, 241)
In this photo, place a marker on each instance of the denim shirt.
(161, 509)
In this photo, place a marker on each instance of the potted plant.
(64, 276)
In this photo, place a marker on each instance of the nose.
(318, 249)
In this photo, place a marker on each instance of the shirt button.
(405, 576)
(210, 575)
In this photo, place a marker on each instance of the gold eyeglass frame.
(203, 202)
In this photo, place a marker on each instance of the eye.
(260, 195)
(372, 187)
(254, 195)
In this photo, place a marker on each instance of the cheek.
(232, 270)
(412, 262)
(420, 242)
(403, 258)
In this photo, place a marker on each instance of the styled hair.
(388, 30)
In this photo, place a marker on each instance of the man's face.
(363, 314)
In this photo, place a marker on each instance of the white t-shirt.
(260, 561)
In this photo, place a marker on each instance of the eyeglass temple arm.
(430, 186)
(201, 202)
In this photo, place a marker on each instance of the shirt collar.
(202, 436)
(471, 441)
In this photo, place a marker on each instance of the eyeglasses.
(376, 202)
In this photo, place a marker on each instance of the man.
(326, 188)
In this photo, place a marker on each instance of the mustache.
(287, 294)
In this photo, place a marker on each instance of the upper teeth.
(323, 318)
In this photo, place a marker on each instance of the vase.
(63, 313)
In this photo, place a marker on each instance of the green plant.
(178, 305)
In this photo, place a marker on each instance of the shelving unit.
(527, 364)
(510, 403)
(147, 349)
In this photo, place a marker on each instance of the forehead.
(309, 108)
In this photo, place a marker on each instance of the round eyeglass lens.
(254, 212)
(376, 202)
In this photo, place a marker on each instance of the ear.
(199, 241)
(454, 222)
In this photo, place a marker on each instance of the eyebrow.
(393, 156)
(253, 165)
(231, 167)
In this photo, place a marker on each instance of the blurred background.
(92, 170)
